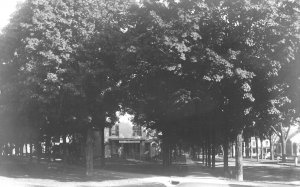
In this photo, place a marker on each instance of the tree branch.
(288, 131)
(276, 132)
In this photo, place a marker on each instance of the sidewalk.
(265, 171)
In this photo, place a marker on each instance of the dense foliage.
(184, 68)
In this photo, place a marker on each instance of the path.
(133, 173)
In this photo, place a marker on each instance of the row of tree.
(202, 72)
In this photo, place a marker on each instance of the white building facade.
(126, 140)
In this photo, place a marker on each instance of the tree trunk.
(251, 148)
(170, 154)
(225, 157)
(26, 153)
(38, 150)
(21, 147)
(232, 150)
(174, 152)
(179, 150)
(256, 144)
(30, 149)
(166, 154)
(65, 151)
(193, 152)
(166, 150)
(203, 153)
(213, 154)
(206, 153)
(261, 148)
(4, 150)
(9, 149)
(239, 156)
(47, 148)
(102, 147)
(16, 150)
(213, 160)
(283, 143)
(283, 147)
(89, 152)
(209, 152)
(271, 148)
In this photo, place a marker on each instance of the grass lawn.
(20, 171)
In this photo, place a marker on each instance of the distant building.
(265, 145)
(292, 144)
(126, 140)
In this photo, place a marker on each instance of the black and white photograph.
(149, 93)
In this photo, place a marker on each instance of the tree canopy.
(215, 68)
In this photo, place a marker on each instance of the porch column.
(142, 149)
(233, 150)
(244, 149)
(111, 148)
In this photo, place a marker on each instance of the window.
(114, 130)
(136, 131)
(267, 143)
(253, 144)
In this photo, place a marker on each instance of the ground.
(22, 172)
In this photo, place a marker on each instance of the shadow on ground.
(20, 168)
(128, 169)
(114, 170)
(270, 171)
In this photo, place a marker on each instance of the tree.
(235, 43)
(64, 53)
(180, 63)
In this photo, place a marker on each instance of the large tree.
(64, 53)
(180, 63)
(225, 49)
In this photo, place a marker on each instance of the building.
(265, 145)
(292, 144)
(126, 140)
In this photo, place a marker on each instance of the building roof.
(127, 139)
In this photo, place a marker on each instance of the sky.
(7, 7)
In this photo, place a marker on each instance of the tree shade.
(201, 72)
